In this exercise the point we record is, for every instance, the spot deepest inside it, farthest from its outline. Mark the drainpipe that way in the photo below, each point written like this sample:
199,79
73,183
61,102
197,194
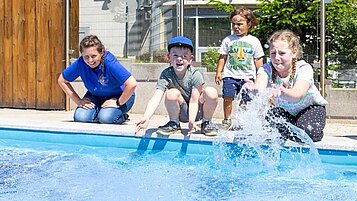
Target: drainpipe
181,17
67,47
322,48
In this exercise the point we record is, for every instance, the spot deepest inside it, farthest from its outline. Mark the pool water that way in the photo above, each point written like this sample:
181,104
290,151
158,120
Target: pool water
61,166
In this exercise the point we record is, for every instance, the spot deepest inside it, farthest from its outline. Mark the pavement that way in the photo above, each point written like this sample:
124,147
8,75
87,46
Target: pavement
340,134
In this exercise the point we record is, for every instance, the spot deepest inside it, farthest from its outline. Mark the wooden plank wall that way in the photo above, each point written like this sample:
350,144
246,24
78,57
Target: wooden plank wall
32,34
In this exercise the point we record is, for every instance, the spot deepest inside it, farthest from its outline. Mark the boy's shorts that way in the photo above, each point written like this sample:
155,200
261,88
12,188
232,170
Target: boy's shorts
184,112
231,88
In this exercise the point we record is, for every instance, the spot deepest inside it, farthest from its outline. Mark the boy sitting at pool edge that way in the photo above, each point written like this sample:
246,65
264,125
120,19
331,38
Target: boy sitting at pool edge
185,98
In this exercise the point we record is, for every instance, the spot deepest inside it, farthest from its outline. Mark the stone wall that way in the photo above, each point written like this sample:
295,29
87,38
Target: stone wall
342,102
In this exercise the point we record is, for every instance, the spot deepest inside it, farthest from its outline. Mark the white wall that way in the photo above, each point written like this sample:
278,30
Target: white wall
94,20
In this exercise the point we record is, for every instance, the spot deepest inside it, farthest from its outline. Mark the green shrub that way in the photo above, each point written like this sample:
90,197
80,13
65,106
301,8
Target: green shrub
210,59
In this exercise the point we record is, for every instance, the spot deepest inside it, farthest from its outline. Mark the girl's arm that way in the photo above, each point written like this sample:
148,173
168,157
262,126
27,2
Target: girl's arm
296,93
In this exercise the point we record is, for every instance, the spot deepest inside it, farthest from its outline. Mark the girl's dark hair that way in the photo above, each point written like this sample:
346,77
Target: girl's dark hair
93,41
247,14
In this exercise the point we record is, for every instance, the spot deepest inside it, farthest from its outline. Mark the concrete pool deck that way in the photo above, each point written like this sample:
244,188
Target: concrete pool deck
340,134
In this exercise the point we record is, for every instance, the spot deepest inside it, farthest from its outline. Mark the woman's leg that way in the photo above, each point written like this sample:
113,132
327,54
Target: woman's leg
116,115
88,115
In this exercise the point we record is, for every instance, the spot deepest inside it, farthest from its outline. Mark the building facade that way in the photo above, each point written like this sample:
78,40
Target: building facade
143,27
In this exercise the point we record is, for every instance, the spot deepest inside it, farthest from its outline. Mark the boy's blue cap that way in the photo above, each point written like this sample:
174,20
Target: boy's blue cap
180,41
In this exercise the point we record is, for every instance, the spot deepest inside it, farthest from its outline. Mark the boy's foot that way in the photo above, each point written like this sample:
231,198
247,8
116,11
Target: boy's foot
169,128
209,128
235,127
226,124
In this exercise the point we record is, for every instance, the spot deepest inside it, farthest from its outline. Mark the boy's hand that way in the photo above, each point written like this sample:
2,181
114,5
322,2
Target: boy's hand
218,78
142,124
192,127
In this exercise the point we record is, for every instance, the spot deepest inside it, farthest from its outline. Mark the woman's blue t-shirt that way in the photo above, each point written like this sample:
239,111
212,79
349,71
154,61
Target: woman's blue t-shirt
114,76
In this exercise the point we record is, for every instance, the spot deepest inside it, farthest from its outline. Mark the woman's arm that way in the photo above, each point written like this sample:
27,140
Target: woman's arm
68,89
130,85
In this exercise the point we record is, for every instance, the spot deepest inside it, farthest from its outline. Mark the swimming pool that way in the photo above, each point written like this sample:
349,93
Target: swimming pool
38,165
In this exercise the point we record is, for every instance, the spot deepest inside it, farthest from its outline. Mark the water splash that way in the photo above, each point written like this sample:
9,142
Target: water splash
259,148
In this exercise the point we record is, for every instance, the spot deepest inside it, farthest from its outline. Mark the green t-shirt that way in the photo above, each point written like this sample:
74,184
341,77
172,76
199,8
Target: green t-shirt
168,80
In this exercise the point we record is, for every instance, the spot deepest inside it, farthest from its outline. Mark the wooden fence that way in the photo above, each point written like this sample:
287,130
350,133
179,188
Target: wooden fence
32,52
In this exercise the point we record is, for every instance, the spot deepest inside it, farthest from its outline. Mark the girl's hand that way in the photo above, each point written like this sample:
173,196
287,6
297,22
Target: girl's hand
86,103
249,84
280,90
110,103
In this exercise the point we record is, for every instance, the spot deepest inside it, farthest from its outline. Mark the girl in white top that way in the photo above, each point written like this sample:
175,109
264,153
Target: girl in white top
296,98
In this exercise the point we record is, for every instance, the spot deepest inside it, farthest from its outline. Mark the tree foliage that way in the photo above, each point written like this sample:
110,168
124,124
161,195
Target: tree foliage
341,28
299,16
303,18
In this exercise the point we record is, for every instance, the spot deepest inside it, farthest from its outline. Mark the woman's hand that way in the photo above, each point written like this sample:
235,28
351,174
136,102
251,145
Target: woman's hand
86,103
110,103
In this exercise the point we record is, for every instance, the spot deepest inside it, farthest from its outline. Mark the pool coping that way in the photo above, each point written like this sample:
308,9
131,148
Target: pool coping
339,134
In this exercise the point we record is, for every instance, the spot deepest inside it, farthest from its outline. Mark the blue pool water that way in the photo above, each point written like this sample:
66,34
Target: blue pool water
60,166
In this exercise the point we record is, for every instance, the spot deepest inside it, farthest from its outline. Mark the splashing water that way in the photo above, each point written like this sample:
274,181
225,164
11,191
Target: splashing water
261,147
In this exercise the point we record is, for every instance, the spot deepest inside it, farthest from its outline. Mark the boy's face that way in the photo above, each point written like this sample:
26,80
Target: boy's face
240,26
180,58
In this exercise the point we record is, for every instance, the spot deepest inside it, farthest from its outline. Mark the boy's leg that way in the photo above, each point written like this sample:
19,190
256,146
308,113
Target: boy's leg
173,100
227,107
209,101
229,91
